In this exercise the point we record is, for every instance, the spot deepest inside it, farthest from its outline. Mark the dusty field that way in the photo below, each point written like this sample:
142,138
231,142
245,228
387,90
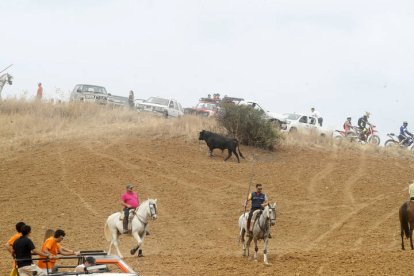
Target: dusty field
337,209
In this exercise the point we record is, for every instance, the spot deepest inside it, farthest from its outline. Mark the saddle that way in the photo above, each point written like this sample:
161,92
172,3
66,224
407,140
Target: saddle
256,214
131,215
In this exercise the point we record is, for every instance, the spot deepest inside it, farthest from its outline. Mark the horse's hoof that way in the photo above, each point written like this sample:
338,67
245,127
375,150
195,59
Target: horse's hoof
141,255
132,251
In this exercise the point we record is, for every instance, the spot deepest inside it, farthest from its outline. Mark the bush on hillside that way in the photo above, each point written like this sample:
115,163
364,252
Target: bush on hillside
249,126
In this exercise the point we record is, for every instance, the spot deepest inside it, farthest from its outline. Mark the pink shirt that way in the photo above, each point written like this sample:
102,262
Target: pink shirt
130,199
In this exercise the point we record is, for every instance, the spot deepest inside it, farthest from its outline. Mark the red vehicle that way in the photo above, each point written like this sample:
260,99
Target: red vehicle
206,107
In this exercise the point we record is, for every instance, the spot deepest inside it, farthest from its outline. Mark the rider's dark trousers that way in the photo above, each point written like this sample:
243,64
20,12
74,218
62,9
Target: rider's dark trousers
250,217
126,215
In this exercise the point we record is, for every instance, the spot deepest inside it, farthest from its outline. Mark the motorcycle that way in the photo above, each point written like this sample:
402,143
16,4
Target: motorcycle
355,135
395,142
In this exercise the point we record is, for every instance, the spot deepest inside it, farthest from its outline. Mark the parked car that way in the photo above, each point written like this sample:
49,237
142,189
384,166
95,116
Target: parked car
205,107
276,118
161,106
117,101
304,123
89,93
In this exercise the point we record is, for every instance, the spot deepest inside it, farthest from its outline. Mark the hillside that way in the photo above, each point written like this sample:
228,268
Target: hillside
337,207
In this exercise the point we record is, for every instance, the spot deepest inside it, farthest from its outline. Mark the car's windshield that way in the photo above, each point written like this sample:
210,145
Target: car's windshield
159,101
207,106
292,116
93,89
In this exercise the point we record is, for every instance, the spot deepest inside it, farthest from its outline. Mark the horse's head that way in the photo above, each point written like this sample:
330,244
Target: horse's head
272,213
9,79
153,208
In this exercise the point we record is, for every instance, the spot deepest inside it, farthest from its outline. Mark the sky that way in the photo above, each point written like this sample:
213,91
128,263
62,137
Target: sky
342,57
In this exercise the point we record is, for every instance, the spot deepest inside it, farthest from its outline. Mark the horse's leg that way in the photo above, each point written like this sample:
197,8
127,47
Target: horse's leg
243,241
139,242
115,242
265,250
402,238
411,238
248,241
255,249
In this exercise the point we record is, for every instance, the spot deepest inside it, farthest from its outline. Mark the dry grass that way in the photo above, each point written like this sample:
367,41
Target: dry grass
24,124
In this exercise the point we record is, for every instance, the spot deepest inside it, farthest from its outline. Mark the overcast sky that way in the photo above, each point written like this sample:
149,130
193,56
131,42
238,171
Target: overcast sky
343,57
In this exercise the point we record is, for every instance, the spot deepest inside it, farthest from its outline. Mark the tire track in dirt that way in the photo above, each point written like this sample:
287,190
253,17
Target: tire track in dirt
314,181
384,218
348,185
338,225
64,180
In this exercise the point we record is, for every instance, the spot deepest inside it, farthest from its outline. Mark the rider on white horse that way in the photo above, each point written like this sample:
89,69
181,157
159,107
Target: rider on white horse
129,200
259,201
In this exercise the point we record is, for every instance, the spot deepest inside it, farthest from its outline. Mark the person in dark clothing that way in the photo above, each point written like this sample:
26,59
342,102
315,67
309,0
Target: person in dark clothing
259,201
362,125
23,248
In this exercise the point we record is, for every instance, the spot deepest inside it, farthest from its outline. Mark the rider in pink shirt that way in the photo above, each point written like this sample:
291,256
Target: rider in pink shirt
129,200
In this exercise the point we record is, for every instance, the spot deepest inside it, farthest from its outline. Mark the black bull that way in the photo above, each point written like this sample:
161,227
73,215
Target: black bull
215,141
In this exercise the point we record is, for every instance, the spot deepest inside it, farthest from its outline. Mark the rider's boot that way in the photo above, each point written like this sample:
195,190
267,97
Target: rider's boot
125,224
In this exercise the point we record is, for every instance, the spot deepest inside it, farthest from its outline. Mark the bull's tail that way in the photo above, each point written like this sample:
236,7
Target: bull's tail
238,147
404,220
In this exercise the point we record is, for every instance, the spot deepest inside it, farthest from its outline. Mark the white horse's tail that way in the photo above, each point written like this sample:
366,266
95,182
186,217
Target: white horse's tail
107,231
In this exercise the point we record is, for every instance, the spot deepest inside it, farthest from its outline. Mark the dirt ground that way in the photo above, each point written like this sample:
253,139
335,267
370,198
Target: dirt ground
337,210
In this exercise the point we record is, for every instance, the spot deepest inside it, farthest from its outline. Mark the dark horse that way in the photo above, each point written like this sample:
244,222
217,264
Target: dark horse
407,222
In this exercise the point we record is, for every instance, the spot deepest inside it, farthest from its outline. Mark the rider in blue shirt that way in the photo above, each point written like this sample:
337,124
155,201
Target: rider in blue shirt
259,201
405,136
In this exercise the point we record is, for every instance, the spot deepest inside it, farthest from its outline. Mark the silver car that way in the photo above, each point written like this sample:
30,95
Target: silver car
161,106
89,93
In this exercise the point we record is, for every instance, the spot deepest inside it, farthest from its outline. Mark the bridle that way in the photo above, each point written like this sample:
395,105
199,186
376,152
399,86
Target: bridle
153,213
269,218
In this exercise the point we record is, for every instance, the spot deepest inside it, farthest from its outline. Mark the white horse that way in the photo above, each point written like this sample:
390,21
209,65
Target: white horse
261,230
114,225
5,78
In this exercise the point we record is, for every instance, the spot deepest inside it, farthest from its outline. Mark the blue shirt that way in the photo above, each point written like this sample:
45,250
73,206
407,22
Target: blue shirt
404,131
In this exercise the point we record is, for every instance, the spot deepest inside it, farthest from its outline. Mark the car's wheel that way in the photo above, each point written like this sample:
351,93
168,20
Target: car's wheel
293,130
166,113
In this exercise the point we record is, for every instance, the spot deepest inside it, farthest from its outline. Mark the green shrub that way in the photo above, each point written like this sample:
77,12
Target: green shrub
249,126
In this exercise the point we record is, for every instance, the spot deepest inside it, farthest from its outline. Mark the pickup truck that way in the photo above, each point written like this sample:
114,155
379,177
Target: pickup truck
278,119
303,123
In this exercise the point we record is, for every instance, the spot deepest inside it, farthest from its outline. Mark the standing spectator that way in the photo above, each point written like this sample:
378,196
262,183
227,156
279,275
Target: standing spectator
52,246
131,99
39,94
317,115
49,233
10,242
23,248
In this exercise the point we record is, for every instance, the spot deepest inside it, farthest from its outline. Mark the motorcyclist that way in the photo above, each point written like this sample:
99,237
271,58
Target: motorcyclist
405,136
362,125
348,128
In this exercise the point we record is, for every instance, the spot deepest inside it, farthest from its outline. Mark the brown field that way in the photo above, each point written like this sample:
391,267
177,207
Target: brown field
66,166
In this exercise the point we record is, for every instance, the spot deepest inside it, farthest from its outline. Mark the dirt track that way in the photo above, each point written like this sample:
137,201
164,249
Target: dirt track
337,211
